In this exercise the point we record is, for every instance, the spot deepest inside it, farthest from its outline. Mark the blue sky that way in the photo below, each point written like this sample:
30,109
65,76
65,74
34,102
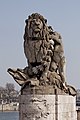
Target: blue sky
63,16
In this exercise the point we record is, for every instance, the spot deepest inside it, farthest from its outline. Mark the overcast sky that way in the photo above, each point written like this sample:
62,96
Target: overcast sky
62,15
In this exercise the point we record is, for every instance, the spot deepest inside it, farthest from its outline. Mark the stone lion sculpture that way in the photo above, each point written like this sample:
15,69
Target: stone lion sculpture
44,51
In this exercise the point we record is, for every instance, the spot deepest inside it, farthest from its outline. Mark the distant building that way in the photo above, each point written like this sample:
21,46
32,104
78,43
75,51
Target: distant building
14,106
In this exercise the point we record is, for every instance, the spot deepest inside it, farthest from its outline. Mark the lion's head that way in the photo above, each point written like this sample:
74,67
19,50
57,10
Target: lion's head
35,37
35,27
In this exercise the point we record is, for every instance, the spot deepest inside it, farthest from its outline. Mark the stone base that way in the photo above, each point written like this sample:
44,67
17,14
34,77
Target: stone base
47,107
42,90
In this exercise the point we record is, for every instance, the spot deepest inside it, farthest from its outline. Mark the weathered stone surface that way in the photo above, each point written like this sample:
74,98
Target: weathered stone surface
37,107
67,107
47,107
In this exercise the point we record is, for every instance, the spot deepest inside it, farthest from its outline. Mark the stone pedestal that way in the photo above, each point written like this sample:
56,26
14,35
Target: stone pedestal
47,107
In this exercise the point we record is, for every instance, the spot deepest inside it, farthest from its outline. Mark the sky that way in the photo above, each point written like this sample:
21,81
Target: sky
62,15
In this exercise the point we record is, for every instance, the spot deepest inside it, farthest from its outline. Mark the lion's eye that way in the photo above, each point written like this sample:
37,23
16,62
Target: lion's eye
33,21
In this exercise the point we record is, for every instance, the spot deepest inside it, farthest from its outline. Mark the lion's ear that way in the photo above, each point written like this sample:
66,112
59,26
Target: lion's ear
45,20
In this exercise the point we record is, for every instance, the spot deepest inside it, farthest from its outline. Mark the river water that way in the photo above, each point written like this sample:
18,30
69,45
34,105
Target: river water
9,115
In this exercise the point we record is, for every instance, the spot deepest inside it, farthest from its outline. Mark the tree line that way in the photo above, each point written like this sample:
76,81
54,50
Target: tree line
8,93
